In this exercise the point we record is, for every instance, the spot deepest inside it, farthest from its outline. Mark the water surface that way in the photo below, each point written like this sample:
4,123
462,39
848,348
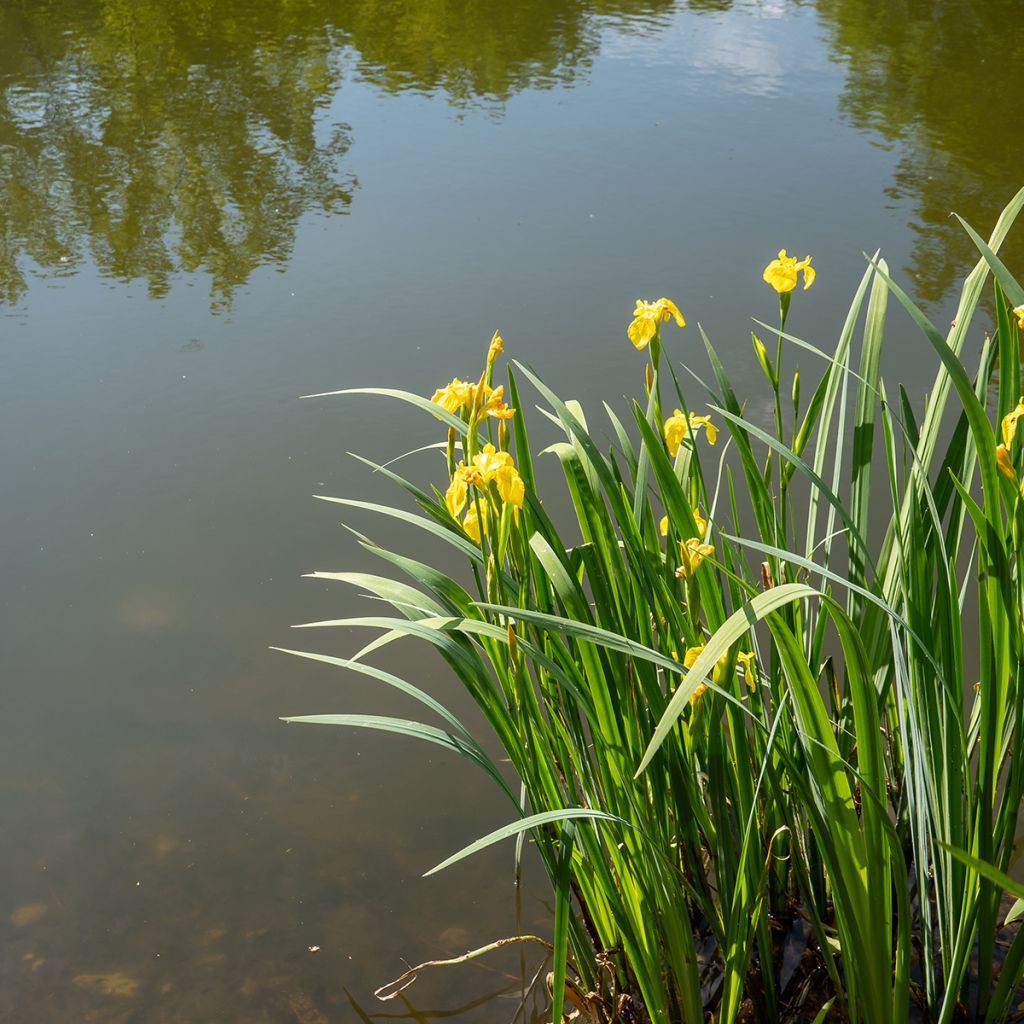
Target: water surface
208,210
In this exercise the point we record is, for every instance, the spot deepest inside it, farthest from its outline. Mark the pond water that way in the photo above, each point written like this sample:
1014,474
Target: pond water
210,209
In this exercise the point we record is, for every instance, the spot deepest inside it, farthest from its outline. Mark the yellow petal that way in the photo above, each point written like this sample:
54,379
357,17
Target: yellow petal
448,397
663,526
488,461
471,524
669,310
517,494
1018,312
640,332
455,497
809,272
495,405
510,485
702,523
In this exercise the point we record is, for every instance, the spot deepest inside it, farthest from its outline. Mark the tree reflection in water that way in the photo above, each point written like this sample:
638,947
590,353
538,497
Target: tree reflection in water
159,136
162,135
941,79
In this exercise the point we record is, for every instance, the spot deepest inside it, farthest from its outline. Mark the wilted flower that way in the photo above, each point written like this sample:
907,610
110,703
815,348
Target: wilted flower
1009,424
646,318
781,272
677,426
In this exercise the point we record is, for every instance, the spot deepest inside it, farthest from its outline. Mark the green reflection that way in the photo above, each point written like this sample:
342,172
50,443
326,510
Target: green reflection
942,79
486,49
162,136
159,136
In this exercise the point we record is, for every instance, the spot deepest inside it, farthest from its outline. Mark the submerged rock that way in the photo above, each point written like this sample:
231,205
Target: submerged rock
107,984
28,914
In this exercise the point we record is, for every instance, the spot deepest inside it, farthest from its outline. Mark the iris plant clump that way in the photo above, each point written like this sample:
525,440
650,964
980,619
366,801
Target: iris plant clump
735,693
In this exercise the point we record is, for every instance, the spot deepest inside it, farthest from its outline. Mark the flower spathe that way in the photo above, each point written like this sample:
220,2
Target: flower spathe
677,426
781,273
646,318
496,347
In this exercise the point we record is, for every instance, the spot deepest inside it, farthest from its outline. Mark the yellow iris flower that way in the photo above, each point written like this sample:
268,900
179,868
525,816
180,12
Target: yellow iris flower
494,404
691,553
677,426
455,395
487,401
1018,312
781,273
488,465
646,318
744,658
488,461
692,653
